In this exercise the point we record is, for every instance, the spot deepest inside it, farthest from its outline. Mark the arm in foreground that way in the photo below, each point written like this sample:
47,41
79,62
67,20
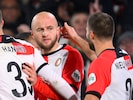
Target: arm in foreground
42,89
68,94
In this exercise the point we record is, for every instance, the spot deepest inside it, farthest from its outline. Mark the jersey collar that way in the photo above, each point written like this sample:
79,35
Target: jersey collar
6,39
55,51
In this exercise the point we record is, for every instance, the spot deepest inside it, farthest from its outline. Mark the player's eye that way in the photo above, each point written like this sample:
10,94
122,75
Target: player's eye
40,30
50,28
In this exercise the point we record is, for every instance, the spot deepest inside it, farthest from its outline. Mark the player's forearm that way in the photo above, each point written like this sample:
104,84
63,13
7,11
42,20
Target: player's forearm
57,82
45,90
84,46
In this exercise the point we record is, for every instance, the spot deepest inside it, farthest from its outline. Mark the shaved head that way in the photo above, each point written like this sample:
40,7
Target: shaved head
43,16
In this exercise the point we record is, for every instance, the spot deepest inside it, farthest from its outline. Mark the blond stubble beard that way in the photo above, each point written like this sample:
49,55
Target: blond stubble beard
49,47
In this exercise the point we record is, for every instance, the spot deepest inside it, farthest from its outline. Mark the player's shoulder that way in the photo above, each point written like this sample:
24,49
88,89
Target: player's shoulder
23,42
73,52
101,61
105,59
70,48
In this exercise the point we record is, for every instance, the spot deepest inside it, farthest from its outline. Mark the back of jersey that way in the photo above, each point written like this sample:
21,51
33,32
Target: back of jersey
121,85
13,82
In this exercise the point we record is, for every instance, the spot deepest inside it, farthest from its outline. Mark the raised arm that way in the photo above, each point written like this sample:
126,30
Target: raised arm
69,33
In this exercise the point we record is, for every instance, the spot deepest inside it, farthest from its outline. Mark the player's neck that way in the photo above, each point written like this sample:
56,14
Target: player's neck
103,46
54,48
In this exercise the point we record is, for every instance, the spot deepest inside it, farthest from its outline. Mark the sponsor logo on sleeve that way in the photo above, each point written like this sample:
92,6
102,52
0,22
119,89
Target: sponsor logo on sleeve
76,76
92,78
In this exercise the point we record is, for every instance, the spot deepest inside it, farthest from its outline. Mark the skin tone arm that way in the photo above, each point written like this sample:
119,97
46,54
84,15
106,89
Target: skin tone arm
70,33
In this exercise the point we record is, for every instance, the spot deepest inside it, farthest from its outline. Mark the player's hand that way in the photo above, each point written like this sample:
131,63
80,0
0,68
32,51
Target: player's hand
69,32
30,71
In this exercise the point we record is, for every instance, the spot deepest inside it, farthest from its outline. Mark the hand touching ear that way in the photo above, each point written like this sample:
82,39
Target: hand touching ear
69,32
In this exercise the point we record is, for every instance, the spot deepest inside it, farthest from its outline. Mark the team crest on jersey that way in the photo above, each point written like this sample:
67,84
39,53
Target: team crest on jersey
92,78
58,61
76,76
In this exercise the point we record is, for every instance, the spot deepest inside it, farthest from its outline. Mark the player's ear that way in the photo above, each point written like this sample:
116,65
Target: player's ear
92,35
2,23
31,32
58,32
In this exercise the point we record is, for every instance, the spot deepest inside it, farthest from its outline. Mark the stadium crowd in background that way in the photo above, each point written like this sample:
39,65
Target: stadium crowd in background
16,12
